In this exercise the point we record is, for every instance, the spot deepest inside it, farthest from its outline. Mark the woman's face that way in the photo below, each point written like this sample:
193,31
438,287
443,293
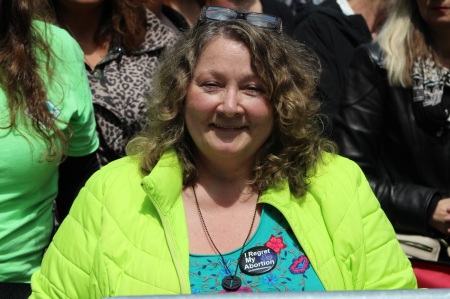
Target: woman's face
434,12
228,113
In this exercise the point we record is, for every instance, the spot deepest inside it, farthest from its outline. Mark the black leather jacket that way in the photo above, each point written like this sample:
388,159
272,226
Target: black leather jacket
408,169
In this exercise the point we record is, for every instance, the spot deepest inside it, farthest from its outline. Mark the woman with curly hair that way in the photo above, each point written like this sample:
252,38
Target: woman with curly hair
395,123
231,186
47,137
122,41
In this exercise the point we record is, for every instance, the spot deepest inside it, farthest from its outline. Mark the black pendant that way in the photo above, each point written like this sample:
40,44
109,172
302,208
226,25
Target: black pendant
231,283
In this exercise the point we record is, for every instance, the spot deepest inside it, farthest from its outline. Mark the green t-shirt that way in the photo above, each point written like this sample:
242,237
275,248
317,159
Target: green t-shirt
28,183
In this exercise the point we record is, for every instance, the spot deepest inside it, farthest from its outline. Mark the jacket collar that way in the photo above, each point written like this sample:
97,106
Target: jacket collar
165,182
166,195
168,169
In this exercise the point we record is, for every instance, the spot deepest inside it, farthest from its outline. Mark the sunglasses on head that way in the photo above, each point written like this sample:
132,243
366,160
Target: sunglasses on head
217,13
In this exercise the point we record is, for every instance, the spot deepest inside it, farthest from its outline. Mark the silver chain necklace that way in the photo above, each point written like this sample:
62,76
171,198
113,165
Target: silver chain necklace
231,282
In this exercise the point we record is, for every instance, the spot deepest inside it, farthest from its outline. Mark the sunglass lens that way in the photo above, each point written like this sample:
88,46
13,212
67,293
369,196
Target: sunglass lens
261,20
220,14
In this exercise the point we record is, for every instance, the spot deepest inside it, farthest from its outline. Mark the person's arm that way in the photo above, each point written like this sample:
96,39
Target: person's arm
73,174
359,130
440,216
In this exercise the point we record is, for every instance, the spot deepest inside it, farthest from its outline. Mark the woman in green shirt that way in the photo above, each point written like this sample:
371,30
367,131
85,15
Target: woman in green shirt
47,137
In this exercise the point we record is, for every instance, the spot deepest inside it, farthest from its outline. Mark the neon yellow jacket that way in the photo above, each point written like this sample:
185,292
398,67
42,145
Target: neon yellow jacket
126,234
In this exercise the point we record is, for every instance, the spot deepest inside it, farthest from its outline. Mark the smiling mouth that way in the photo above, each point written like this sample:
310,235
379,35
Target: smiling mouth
229,128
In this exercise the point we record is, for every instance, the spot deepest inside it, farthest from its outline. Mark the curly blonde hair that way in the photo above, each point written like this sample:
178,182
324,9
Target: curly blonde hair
290,73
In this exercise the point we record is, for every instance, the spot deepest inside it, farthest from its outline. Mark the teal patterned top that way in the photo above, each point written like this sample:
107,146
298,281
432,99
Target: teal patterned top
292,273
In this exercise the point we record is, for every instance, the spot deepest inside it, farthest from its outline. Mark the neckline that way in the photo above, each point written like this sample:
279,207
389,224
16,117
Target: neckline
238,249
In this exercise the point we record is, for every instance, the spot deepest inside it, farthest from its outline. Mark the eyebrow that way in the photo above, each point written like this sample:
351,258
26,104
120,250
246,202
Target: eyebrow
214,72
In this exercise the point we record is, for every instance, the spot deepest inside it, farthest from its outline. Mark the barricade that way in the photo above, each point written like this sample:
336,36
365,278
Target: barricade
392,294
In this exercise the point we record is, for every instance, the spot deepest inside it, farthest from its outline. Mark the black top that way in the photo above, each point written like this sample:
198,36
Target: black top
175,17
333,36
281,10
73,174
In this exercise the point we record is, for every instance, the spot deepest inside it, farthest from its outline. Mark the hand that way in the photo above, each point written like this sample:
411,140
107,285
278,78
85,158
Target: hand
440,219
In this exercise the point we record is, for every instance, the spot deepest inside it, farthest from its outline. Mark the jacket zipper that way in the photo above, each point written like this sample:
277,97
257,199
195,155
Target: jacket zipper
173,249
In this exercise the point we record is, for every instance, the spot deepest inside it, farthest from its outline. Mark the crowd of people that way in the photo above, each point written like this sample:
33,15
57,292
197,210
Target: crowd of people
154,147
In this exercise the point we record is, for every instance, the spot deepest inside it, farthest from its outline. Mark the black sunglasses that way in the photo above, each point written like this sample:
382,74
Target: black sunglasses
217,13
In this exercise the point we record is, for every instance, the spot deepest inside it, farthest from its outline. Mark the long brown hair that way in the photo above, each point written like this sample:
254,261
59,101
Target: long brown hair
123,22
20,72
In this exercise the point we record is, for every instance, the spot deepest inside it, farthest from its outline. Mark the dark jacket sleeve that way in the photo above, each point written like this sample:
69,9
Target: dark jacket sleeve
73,174
360,130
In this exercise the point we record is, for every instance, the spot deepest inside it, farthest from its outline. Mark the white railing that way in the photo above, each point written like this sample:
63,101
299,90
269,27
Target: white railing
395,294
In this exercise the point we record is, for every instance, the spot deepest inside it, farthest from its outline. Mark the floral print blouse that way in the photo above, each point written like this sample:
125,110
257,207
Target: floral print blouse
292,272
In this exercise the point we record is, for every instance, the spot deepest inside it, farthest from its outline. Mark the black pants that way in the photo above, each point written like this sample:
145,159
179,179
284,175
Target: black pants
9,290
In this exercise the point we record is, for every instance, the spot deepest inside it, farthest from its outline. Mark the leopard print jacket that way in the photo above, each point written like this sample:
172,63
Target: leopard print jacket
119,84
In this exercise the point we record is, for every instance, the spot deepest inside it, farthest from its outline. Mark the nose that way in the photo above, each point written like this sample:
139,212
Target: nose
230,103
